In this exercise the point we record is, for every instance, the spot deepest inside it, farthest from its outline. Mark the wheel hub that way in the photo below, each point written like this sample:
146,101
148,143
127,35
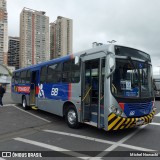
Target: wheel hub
71,117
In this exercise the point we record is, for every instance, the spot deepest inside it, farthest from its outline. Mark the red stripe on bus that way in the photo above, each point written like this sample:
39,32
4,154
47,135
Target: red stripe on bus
69,91
72,56
37,89
33,38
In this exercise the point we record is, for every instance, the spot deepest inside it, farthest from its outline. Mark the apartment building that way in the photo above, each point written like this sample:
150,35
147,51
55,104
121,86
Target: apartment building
13,52
3,32
61,37
34,37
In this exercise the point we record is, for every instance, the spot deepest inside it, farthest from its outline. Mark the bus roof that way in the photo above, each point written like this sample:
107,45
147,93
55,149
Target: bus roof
104,47
67,57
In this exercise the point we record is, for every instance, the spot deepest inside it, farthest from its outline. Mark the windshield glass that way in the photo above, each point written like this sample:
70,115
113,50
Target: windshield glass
132,79
125,51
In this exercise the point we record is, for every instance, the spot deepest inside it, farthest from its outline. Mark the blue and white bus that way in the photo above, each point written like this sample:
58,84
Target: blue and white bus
110,87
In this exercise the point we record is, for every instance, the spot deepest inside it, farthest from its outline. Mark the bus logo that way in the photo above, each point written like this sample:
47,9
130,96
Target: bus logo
132,113
41,91
54,92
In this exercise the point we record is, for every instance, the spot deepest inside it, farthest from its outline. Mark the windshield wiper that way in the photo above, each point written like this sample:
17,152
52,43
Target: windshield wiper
129,58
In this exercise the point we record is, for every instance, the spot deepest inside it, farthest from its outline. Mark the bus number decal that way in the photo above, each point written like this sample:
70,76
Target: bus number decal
54,91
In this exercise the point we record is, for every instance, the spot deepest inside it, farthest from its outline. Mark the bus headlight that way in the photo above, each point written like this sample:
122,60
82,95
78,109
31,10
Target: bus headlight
117,111
113,109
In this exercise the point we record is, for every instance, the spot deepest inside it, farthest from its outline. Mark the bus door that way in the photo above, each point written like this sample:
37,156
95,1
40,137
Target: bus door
93,91
34,82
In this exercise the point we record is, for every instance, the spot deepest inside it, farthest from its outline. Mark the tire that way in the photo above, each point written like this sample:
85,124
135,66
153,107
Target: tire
71,117
24,103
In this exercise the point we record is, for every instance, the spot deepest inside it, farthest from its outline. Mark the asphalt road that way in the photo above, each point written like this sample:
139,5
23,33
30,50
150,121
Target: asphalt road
43,133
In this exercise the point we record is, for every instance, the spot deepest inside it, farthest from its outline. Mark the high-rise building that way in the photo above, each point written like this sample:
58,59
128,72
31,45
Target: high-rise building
61,37
34,37
3,32
13,52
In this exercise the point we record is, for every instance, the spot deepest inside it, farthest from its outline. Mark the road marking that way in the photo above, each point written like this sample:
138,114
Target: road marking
124,139
158,115
51,147
6,105
158,124
32,114
120,143
136,148
99,140
80,136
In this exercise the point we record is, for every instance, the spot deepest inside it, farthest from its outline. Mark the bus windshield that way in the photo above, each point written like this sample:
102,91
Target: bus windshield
132,79
125,51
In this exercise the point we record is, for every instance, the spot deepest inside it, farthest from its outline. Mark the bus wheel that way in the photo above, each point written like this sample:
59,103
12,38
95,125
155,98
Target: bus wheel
24,103
71,117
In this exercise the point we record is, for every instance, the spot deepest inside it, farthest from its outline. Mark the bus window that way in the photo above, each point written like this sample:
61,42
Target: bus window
54,73
43,74
23,77
17,78
28,76
13,77
75,72
71,72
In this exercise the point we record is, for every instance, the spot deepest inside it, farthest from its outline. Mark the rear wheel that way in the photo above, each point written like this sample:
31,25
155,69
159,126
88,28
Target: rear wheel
24,103
72,117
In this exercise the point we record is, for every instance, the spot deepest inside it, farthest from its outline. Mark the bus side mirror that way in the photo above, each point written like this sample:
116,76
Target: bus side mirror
76,61
111,62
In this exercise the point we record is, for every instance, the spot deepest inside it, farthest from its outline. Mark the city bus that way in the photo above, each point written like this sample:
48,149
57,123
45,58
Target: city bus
109,87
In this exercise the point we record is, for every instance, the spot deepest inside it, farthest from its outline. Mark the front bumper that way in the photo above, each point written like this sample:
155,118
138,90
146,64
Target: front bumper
115,122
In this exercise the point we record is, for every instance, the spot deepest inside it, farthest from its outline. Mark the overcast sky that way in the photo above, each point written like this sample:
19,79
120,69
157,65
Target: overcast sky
135,23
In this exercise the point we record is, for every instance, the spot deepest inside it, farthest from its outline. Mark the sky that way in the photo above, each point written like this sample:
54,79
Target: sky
133,23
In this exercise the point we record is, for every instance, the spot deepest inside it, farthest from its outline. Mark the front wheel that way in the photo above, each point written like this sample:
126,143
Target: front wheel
72,118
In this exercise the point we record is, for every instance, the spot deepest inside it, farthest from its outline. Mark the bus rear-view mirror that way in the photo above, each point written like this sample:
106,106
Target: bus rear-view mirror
76,61
111,61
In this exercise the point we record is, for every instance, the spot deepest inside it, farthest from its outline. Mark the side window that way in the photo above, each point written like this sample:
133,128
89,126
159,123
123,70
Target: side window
66,75
28,76
71,72
75,72
43,74
17,77
23,77
54,73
